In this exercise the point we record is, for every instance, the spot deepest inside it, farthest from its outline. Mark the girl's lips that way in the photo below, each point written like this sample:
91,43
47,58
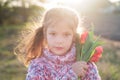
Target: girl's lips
59,48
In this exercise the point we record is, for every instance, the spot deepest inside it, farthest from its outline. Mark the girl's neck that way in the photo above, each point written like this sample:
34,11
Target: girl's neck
69,57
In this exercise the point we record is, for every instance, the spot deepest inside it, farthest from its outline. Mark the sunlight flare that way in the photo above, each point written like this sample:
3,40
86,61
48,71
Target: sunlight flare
80,30
70,3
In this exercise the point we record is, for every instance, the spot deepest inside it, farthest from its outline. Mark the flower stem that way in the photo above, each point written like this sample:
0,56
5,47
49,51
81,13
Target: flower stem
78,78
81,51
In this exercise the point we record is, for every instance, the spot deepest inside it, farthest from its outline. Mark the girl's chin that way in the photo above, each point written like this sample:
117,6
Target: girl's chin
58,53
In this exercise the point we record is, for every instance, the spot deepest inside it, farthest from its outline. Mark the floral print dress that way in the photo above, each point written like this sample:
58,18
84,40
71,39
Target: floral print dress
52,67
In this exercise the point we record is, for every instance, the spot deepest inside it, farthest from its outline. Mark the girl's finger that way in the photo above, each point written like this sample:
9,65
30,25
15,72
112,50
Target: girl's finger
82,73
85,67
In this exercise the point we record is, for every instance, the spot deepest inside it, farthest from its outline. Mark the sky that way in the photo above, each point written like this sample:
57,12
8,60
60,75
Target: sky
114,0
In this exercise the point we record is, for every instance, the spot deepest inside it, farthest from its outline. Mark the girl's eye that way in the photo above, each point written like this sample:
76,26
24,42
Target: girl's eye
52,33
67,34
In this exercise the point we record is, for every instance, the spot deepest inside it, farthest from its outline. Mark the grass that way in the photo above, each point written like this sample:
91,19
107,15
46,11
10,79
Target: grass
109,65
12,69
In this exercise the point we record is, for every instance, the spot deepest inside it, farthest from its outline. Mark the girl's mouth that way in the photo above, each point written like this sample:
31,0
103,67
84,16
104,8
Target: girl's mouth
59,48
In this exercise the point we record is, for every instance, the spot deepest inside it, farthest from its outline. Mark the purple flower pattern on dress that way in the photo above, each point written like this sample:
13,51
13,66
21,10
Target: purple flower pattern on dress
52,67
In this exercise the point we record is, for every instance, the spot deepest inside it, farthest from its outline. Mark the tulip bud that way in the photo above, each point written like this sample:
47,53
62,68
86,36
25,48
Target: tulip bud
83,37
97,55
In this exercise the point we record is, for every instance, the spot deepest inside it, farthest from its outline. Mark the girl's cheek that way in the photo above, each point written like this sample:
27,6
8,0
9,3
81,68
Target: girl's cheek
69,38
51,37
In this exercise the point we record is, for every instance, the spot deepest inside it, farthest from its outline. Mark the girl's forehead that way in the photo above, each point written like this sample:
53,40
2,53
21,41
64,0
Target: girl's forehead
60,27
56,15
60,24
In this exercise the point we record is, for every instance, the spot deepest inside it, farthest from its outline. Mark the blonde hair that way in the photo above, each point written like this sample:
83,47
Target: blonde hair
33,48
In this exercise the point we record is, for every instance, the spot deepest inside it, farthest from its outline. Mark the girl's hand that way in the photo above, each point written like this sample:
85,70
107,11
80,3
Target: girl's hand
80,68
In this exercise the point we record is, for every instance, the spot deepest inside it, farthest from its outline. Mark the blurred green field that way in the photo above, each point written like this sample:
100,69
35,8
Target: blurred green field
12,69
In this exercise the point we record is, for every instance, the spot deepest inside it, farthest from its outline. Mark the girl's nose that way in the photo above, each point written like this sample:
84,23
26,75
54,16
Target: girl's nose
59,39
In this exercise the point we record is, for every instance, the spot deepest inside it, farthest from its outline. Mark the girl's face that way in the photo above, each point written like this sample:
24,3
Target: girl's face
59,38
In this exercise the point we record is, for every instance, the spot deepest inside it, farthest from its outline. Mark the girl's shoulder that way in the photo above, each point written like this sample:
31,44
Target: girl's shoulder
36,64
37,61
36,68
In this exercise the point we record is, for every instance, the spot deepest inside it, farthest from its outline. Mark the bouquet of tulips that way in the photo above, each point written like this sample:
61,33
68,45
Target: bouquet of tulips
88,48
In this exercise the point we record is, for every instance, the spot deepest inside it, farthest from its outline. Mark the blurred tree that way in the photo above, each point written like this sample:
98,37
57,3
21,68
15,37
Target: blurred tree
4,10
98,4
18,14
102,3
43,1
115,6
23,3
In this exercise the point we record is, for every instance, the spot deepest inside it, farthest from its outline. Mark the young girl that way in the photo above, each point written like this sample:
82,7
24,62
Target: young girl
50,53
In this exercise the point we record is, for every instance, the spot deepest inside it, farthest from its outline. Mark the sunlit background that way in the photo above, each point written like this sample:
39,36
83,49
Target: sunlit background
17,15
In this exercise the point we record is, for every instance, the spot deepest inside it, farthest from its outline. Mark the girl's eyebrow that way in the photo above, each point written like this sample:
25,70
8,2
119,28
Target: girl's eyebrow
67,33
52,31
